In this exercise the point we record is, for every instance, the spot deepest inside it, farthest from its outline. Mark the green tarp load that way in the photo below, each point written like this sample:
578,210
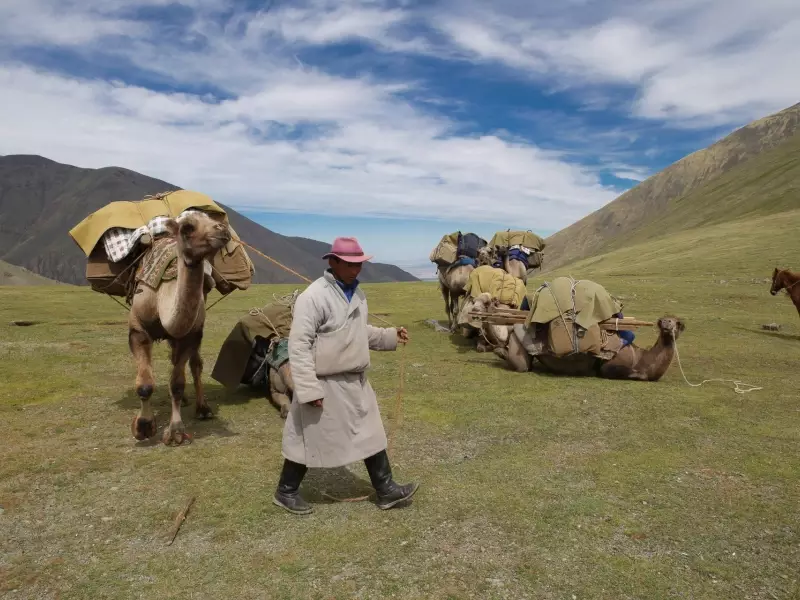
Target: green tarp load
527,242
457,248
501,286
444,254
232,267
271,323
570,312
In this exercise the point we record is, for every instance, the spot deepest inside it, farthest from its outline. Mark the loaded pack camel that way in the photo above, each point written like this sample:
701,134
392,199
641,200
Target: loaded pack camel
452,281
515,267
784,279
175,312
632,362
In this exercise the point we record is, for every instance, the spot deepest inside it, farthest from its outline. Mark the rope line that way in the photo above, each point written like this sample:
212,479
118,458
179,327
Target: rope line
739,387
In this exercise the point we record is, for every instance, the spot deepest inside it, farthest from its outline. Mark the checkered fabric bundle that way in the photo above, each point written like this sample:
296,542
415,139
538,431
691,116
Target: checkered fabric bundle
119,241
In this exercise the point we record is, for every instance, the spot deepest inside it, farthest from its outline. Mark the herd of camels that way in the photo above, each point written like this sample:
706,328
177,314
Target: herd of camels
176,312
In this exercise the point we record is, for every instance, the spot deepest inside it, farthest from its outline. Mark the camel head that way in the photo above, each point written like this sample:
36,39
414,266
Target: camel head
485,256
777,282
484,301
198,236
670,327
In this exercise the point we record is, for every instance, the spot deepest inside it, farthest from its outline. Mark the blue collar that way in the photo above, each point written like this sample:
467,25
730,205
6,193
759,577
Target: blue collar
348,290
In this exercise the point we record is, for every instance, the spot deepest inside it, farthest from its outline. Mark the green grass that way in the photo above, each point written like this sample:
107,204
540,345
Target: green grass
532,486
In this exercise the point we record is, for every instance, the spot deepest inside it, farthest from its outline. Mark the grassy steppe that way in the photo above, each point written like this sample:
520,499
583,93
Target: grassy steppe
533,486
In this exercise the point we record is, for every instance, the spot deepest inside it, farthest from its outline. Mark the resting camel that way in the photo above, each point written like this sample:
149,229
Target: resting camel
632,362
786,279
493,336
174,312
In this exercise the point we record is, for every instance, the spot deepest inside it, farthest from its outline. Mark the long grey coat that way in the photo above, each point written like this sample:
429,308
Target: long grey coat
329,353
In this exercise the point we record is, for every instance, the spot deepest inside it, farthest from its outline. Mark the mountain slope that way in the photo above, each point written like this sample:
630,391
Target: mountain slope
747,248
14,275
40,200
650,202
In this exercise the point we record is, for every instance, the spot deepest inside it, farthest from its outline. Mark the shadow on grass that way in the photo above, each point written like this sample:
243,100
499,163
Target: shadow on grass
215,395
773,334
330,486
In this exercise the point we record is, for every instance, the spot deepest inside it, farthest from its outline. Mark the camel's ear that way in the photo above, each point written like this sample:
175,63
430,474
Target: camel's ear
172,227
681,326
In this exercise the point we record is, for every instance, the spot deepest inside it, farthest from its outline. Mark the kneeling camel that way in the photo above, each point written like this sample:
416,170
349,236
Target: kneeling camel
632,362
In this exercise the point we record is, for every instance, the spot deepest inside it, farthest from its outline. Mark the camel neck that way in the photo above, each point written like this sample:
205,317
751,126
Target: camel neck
187,298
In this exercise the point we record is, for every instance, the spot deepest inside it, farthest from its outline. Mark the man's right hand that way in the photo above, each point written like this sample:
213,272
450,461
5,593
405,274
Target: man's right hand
316,403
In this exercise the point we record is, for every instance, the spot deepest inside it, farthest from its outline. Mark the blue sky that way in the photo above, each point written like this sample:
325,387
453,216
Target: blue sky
393,120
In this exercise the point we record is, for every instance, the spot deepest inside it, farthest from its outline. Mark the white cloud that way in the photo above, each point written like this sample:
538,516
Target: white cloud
693,62
379,156
276,134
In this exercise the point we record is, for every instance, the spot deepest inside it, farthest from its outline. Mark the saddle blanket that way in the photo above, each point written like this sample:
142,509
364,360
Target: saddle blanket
160,263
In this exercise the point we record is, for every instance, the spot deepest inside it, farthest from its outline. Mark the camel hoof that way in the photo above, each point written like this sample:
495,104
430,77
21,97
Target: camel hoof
284,412
143,429
204,412
174,434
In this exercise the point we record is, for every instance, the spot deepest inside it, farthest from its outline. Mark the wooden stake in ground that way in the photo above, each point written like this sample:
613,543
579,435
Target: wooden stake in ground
179,521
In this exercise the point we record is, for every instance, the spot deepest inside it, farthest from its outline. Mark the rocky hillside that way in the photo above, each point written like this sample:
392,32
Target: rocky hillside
40,200
760,166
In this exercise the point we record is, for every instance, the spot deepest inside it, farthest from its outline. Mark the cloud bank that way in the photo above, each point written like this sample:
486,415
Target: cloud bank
302,106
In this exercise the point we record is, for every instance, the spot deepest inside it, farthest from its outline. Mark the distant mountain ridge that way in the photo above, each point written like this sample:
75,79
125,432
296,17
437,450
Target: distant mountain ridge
676,197
41,200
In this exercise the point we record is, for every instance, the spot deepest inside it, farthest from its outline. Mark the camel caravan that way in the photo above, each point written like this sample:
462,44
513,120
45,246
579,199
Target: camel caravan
570,327
162,256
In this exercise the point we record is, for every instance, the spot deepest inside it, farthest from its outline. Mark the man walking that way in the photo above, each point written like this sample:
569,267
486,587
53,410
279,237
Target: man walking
334,418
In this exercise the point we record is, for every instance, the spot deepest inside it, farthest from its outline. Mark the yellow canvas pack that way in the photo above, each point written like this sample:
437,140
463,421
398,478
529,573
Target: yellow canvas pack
136,213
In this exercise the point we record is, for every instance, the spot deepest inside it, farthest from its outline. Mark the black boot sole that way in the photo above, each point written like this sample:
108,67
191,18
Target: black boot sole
294,511
393,503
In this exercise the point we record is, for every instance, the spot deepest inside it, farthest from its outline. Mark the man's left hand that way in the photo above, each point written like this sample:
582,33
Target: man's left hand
402,335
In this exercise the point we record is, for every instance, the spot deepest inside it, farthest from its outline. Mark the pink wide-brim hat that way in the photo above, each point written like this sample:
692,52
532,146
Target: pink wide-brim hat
347,249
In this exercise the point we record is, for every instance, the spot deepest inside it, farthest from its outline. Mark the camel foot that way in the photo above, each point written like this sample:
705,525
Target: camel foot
481,347
143,429
284,411
203,411
174,434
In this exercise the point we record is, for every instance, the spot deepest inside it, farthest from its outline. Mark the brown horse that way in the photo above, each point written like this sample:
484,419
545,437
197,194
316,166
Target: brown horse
788,280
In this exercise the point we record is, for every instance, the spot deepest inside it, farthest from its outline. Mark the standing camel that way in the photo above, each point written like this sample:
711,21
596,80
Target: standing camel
788,280
453,280
515,267
632,362
174,311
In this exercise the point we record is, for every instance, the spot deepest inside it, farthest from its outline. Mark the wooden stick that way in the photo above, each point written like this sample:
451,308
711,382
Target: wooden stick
519,317
179,520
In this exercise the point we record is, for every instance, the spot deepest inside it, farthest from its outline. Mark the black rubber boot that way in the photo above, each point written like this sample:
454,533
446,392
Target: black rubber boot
380,473
288,493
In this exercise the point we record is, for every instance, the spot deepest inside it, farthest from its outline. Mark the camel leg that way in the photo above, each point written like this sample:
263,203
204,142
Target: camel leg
280,384
446,296
143,425
202,410
181,351
516,355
